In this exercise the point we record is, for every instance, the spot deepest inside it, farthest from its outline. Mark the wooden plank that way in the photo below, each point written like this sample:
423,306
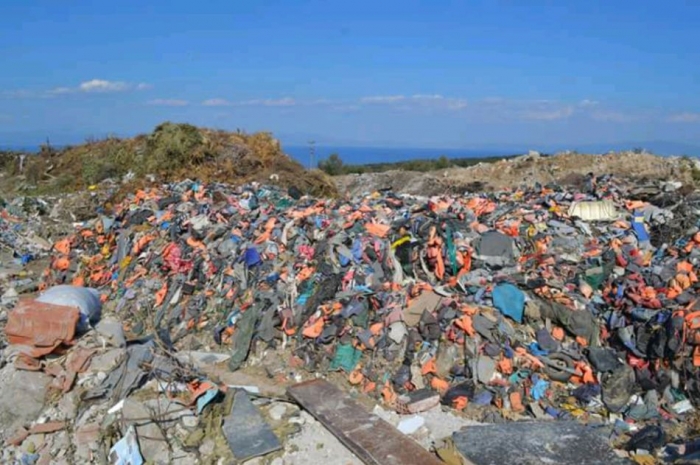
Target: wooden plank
370,438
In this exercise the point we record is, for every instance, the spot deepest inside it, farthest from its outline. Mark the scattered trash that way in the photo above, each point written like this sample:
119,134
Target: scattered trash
126,450
543,303
601,210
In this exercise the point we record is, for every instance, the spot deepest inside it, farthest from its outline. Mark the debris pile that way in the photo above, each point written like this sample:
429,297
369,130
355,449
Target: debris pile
171,152
538,304
566,169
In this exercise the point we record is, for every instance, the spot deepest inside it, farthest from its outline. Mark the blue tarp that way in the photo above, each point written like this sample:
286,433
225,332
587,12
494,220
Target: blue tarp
509,300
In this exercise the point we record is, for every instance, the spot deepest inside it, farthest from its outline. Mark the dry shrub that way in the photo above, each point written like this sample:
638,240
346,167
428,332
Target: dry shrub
174,152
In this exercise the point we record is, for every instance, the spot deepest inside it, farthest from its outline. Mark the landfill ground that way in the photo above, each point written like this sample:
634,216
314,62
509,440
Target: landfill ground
535,310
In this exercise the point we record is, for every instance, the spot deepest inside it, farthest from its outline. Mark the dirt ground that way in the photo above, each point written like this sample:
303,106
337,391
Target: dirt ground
565,168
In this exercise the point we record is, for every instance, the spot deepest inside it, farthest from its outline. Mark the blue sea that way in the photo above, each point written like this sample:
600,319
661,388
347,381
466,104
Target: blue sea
364,155
361,155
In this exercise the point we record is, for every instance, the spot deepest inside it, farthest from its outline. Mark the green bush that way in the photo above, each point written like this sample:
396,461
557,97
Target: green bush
333,165
173,144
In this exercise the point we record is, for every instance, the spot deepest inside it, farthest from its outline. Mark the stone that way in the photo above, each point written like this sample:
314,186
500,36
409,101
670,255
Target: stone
9,297
201,359
397,331
33,443
411,424
190,421
238,378
562,442
68,405
207,447
18,437
153,444
22,399
61,442
485,369
48,427
111,332
168,410
442,424
180,457
87,435
107,361
277,411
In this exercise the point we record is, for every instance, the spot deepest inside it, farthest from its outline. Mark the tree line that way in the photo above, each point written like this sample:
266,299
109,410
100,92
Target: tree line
334,165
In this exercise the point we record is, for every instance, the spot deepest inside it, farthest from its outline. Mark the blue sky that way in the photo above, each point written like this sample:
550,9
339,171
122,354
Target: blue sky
439,73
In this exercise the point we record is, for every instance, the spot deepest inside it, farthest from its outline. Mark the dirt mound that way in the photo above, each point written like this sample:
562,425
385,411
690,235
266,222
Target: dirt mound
171,152
564,169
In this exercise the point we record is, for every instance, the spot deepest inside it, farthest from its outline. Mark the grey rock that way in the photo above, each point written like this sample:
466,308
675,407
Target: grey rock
202,359
207,447
112,332
277,411
68,406
107,361
23,397
190,421
152,441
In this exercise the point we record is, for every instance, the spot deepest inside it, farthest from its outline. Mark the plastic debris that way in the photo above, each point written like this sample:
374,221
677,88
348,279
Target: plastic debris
126,450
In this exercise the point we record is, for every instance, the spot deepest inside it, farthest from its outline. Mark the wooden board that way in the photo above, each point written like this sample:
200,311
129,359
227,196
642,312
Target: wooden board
370,438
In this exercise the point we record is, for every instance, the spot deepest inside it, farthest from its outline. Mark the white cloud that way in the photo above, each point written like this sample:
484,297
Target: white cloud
61,91
347,108
486,109
98,86
685,117
383,99
408,102
492,100
427,97
101,85
548,114
168,102
282,102
456,104
18,93
613,116
216,102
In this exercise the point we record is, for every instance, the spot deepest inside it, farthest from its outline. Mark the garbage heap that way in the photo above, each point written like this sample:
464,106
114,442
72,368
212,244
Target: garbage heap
535,302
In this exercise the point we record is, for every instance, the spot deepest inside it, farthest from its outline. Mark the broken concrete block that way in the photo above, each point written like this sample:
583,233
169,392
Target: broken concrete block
411,424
